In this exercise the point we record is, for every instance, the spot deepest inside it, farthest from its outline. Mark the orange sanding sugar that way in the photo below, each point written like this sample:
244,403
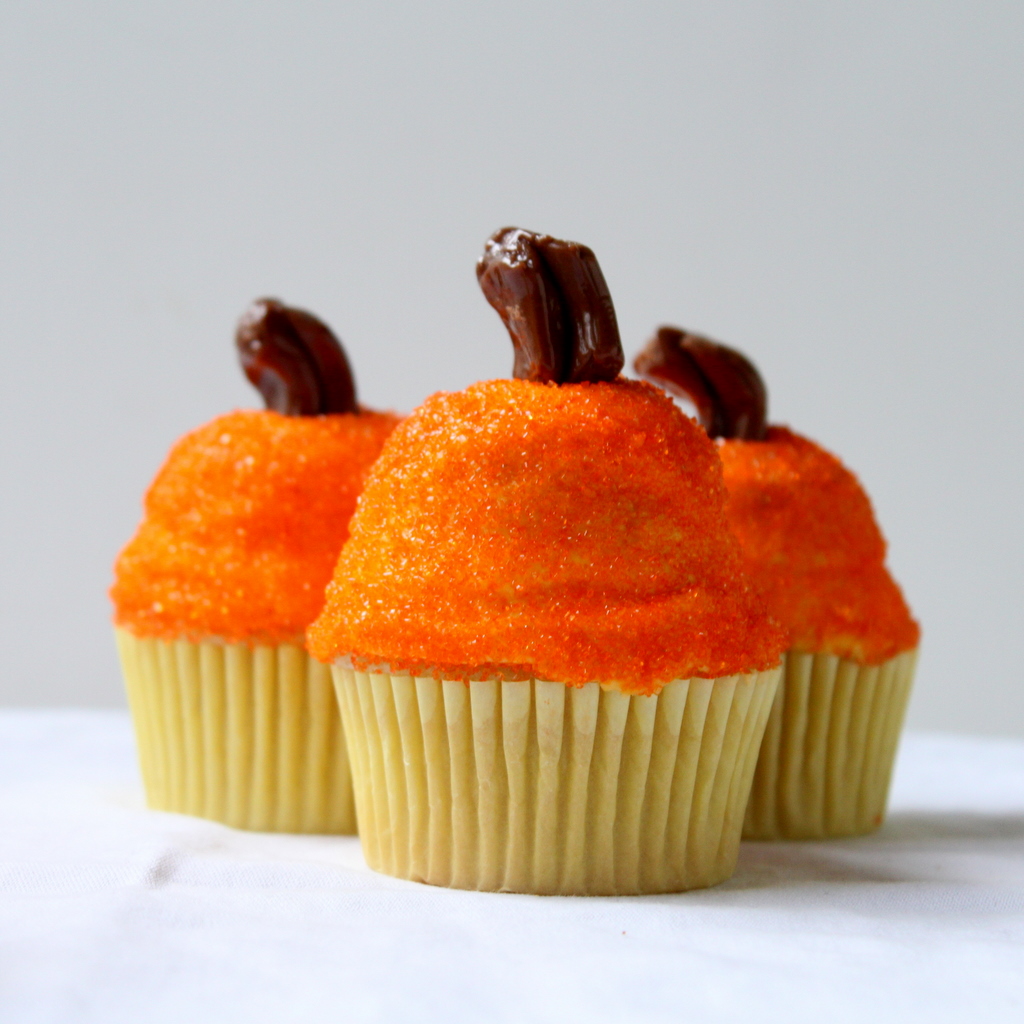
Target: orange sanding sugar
813,546
571,532
243,525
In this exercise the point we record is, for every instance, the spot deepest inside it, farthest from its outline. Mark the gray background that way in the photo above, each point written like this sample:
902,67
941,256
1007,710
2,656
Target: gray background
835,188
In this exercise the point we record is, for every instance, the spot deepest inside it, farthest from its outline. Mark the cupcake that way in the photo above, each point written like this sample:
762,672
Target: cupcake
813,548
553,674
213,594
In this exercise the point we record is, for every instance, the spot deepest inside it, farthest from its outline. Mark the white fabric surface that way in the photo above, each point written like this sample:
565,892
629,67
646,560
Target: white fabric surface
110,913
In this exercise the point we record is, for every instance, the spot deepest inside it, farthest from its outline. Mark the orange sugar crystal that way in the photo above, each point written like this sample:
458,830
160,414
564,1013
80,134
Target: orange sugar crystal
573,532
812,544
243,524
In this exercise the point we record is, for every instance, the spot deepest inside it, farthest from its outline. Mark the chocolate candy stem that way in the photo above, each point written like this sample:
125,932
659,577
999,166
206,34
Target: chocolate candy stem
294,360
595,351
722,383
553,299
516,283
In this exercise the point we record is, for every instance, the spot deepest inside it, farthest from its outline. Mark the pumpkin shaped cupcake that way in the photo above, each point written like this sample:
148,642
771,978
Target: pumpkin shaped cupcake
813,547
213,594
553,673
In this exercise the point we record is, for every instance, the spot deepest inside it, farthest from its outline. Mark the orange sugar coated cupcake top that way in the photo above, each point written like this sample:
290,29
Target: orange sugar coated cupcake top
534,529
243,524
813,546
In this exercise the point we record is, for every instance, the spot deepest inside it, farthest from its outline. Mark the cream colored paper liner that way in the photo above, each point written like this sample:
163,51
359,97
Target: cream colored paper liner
539,787
829,748
249,736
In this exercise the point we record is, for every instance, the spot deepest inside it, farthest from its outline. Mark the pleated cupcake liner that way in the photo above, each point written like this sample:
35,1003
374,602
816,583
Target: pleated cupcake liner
538,787
248,736
829,747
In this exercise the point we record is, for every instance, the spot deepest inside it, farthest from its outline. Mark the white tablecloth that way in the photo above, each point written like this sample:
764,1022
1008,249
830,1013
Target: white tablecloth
110,913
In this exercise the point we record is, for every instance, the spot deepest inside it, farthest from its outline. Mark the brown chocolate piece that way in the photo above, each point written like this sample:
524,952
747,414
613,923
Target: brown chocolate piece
294,360
555,304
516,283
722,383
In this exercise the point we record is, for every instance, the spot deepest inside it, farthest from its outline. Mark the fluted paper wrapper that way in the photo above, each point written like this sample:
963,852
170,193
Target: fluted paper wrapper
539,787
248,736
828,751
